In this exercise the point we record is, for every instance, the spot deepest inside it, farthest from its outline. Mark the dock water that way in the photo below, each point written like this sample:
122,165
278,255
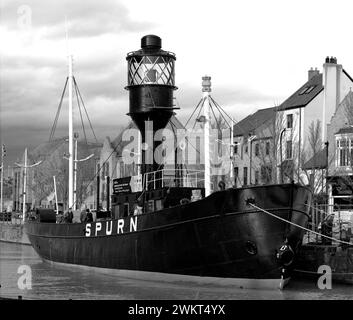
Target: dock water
338,257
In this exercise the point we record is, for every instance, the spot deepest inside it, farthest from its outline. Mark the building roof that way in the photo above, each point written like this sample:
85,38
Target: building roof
253,121
304,94
345,130
318,161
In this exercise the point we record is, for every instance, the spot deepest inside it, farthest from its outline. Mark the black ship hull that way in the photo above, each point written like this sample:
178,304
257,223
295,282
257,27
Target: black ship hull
220,236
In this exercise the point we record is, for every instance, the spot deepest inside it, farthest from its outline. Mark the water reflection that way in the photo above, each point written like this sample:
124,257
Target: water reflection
62,282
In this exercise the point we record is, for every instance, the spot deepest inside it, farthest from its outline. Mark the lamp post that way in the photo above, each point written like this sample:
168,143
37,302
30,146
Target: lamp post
56,196
3,153
280,144
251,138
25,167
326,149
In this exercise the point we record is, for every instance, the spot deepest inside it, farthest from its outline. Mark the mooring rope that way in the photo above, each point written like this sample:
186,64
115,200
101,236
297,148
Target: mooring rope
311,207
333,273
299,226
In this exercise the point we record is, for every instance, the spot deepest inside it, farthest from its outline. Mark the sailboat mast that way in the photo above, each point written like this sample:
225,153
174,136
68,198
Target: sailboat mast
71,142
206,89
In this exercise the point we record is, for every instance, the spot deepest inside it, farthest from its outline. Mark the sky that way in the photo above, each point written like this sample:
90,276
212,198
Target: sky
257,53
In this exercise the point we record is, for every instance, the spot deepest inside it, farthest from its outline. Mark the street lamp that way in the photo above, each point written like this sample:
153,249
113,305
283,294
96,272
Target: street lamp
25,167
251,138
3,153
280,144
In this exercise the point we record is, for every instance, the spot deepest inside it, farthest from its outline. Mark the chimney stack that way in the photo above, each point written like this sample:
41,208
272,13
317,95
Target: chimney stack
332,78
312,73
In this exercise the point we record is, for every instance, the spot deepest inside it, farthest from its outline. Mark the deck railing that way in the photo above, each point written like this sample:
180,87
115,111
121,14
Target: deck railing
11,218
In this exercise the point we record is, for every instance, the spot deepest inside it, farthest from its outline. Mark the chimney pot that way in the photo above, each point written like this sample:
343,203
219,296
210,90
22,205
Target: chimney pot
312,73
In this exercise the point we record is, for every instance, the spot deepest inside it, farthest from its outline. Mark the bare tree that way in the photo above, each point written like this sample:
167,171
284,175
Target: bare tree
313,159
54,164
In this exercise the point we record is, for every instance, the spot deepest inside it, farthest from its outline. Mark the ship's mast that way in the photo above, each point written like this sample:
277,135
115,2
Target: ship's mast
71,145
206,89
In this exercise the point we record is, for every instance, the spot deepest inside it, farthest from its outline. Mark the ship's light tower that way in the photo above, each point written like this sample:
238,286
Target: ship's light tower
151,83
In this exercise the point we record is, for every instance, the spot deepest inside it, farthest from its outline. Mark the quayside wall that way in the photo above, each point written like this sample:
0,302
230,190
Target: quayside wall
13,232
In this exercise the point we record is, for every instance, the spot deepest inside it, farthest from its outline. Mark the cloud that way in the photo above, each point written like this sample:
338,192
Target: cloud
34,69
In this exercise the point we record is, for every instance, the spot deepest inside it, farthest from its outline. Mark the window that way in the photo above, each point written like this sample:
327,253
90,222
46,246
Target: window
122,169
289,121
266,173
105,170
256,177
150,205
236,174
91,193
267,148
289,154
343,152
107,173
236,148
245,176
159,205
126,209
257,149
246,148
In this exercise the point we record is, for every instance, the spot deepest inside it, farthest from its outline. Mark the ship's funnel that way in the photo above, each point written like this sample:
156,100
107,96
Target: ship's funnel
151,82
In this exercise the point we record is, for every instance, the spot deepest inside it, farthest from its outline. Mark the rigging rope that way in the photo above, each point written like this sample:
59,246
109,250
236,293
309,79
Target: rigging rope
79,108
299,226
194,112
212,100
79,92
202,100
58,112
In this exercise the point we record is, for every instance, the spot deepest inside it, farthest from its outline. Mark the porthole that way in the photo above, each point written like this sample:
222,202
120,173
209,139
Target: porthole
250,247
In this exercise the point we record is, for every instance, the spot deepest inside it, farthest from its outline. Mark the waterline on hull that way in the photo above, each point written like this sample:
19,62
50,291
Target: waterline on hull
243,283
